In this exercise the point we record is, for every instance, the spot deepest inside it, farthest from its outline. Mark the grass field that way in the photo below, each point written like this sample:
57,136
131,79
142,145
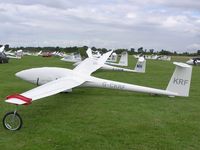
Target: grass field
92,118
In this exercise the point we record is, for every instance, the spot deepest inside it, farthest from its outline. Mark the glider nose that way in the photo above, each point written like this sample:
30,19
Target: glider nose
19,74
24,74
190,62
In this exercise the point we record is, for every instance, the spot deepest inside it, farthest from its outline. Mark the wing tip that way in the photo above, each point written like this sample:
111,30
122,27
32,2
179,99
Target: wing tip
16,98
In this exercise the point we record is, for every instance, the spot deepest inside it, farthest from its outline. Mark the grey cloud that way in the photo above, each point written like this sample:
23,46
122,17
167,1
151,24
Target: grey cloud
110,24
60,4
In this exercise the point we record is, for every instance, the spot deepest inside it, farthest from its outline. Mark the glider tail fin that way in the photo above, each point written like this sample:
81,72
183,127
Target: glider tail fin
89,52
124,59
181,79
141,65
2,49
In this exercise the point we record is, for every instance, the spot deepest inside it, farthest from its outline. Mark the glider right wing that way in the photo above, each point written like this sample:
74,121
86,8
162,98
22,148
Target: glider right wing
48,89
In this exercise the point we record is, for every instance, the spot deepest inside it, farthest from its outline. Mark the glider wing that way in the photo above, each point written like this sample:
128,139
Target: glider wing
48,89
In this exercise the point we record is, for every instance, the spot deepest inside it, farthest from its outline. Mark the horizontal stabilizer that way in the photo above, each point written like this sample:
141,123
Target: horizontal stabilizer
180,64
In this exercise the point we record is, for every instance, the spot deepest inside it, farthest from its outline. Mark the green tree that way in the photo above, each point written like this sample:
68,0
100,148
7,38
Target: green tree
165,52
119,51
175,53
82,51
57,48
6,47
132,51
140,50
151,51
198,52
94,48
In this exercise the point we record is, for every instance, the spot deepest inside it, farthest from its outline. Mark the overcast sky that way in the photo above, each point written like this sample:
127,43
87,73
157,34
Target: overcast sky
160,24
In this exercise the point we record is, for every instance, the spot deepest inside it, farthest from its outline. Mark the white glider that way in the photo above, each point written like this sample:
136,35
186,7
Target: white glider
72,58
140,66
112,58
39,53
193,61
17,55
158,57
3,57
54,80
2,49
122,62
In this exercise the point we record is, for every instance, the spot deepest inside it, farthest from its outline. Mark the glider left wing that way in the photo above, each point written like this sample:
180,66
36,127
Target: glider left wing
45,90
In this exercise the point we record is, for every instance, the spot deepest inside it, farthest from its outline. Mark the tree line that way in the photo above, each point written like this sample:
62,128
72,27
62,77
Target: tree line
82,50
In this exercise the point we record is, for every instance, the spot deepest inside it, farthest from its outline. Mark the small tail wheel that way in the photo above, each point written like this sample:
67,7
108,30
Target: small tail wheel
12,121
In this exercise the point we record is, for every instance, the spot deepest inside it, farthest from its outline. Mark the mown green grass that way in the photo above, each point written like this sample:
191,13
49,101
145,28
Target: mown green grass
93,118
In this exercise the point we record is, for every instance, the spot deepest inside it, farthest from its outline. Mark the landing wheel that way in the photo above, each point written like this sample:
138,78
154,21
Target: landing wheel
12,121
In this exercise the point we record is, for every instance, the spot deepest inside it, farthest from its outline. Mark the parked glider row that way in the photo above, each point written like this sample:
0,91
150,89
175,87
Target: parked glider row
76,57
5,55
194,61
155,57
3,58
140,66
53,80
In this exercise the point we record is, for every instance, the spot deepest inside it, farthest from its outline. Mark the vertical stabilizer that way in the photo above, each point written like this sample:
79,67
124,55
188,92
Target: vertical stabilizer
89,53
124,59
141,65
2,49
181,79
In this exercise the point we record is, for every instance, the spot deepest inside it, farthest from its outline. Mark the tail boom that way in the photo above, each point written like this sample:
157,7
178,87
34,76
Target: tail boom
179,84
108,67
102,83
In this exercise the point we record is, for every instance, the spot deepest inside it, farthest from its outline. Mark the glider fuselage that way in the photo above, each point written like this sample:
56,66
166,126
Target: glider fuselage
44,75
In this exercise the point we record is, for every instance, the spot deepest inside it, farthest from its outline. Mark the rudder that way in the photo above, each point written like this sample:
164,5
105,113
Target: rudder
141,65
124,59
181,79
